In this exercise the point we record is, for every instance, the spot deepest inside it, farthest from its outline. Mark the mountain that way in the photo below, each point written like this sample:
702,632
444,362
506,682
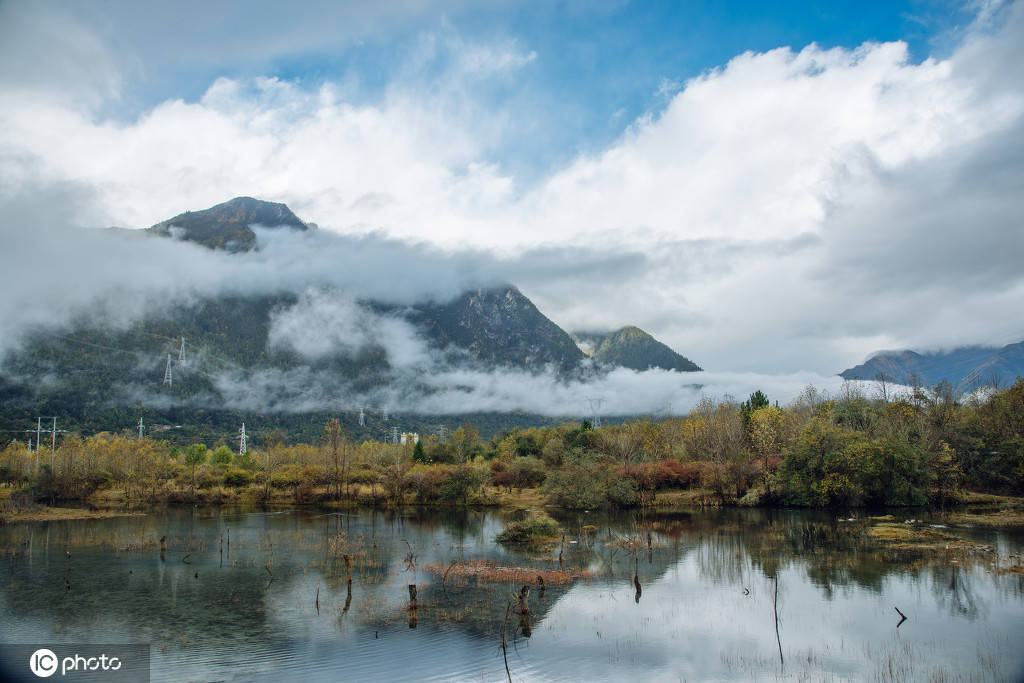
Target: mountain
226,226
966,368
274,352
631,347
498,326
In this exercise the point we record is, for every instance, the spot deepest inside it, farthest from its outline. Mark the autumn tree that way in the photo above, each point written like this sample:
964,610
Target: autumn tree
336,450
196,455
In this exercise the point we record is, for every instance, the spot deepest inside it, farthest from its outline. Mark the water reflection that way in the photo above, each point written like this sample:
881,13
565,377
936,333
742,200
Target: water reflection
734,594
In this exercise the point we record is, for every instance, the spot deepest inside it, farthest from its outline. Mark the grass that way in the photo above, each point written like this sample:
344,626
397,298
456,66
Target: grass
486,571
908,535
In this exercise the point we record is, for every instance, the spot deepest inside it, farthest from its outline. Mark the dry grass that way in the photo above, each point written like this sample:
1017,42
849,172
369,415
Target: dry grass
684,498
47,514
485,571
517,498
1009,517
899,536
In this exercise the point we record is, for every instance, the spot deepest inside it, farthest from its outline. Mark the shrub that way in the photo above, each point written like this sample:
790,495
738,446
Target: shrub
670,474
208,479
462,481
575,488
287,476
426,481
527,472
237,478
535,528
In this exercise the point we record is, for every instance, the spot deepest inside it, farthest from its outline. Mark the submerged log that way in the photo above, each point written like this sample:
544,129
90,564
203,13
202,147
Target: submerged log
413,611
524,624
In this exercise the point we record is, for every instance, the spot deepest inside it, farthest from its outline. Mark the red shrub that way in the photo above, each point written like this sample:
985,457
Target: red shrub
671,474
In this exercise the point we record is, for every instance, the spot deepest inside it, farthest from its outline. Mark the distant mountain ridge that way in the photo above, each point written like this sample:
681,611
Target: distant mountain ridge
631,347
966,368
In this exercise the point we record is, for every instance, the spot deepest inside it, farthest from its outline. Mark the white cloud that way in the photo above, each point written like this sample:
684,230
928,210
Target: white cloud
753,204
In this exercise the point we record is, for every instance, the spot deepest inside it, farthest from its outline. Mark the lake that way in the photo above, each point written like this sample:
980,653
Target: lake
323,595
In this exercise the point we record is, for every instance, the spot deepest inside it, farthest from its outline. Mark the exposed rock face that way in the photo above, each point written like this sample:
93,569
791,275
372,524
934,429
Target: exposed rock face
226,226
499,326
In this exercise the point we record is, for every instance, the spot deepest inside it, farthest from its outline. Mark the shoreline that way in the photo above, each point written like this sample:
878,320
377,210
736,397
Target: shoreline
971,510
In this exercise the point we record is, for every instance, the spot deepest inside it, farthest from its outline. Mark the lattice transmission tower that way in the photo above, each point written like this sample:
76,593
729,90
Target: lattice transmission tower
595,408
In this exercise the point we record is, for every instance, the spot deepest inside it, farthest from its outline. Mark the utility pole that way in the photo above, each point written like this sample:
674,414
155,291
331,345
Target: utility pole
181,353
39,422
241,441
53,442
168,378
362,418
394,435
140,429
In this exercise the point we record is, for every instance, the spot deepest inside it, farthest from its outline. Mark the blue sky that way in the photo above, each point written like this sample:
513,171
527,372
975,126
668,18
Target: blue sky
599,65
827,179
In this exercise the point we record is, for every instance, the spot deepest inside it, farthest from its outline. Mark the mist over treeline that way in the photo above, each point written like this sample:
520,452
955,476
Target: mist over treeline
308,321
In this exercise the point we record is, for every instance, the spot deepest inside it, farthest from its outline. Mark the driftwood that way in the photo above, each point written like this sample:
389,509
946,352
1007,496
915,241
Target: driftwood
778,640
504,640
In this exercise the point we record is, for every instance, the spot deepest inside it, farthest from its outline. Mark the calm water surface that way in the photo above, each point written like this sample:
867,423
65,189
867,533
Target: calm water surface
235,598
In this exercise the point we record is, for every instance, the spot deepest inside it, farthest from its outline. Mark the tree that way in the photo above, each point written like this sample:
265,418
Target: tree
195,454
464,441
222,456
765,429
716,434
624,443
272,457
337,449
418,454
756,401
